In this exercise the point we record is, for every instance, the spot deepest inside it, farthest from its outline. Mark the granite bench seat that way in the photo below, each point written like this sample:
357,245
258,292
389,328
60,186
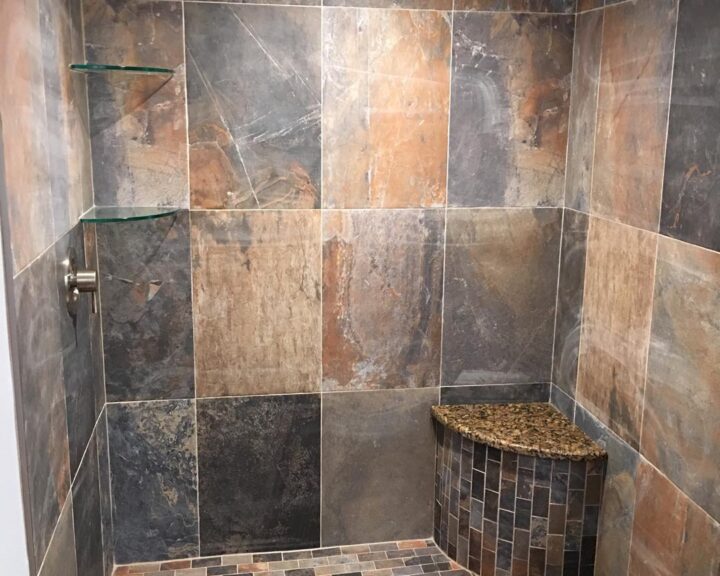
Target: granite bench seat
518,489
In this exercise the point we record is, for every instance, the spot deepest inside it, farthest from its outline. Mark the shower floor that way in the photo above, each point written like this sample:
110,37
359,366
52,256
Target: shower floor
402,558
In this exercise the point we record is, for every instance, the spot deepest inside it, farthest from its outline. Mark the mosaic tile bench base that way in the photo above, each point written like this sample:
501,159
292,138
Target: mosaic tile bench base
499,513
404,558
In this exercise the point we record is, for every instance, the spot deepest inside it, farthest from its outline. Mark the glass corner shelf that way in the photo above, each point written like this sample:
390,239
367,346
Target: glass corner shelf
102,214
112,68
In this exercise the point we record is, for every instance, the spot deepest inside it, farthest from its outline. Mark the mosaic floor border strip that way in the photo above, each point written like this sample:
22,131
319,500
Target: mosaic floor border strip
401,558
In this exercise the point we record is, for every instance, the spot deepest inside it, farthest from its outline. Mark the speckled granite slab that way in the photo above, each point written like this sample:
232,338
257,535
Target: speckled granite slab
536,429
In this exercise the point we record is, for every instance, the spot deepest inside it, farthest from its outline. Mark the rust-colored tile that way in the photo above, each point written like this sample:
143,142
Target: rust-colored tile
617,312
24,144
681,427
583,109
138,130
701,545
256,285
554,6
382,297
510,100
584,5
658,526
633,106
385,109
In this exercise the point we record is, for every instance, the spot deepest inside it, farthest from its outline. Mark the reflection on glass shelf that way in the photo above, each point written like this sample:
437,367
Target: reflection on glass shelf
112,68
100,214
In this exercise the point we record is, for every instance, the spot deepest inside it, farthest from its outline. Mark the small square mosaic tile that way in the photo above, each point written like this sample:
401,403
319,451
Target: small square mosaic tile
403,558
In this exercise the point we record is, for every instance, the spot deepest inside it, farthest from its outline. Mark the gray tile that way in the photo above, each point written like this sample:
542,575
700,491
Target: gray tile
571,286
690,204
79,365
377,465
509,109
154,469
60,559
105,497
267,448
43,417
87,515
253,105
497,393
500,289
583,109
146,308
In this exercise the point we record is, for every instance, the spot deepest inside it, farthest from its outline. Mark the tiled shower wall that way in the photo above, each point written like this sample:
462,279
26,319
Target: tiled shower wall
637,352
373,209
45,184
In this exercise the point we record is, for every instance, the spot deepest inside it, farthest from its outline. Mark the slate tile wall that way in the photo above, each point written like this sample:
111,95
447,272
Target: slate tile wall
333,287
636,340
45,182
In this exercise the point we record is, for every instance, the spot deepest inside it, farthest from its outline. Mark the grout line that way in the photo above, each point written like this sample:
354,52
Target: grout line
192,285
322,265
447,202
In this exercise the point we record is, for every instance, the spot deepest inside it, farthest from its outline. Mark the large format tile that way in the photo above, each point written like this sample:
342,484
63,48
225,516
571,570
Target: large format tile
153,462
701,544
43,417
571,286
103,452
259,473
510,99
690,203
409,4
583,109
500,288
382,299
138,132
66,104
253,105
377,468
495,394
28,195
556,6
386,90
618,500
87,515
658,526
636,67
681,429
60,559
146,308
256,279
78,352
617,311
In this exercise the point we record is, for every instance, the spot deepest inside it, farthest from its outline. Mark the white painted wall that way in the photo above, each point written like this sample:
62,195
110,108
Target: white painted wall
13,551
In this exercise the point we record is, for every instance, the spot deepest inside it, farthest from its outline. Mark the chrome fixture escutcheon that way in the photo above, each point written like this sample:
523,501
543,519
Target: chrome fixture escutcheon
77,282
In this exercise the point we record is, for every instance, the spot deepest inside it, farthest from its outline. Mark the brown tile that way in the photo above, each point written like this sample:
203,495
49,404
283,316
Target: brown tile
256,283
616,325
410,4
385,108
139,135
681,429
584,5
510,100
658,526
583,109
636,67
382,298
23,141
701,544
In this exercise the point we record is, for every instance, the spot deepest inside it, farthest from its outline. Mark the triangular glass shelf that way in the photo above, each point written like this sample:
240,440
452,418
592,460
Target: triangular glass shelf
112,68
102,214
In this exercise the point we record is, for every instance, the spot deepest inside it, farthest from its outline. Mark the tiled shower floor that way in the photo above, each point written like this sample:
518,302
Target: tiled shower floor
403,558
